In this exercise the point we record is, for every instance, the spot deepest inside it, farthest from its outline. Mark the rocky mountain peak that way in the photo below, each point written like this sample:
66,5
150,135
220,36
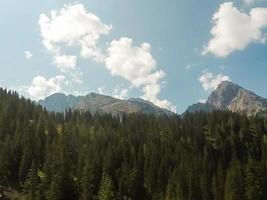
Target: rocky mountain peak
222,97
232,97
101,103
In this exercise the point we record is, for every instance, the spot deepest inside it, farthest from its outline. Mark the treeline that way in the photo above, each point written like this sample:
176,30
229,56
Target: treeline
77,156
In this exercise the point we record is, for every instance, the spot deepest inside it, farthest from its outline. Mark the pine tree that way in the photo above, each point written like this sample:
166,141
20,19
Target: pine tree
234,183
3,176
87,183
171,190
25,164
32,184
106,188
55,189
253,183
218,183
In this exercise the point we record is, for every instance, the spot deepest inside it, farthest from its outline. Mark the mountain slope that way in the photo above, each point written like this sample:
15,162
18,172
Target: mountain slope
100,103
232,97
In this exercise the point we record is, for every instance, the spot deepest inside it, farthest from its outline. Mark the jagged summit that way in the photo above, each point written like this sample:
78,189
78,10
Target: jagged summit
100,103
222,97
230,96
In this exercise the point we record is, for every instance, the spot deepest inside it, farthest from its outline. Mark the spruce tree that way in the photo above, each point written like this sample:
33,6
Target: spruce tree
3,175
55,190
106,191
87,183
234,189
32,184
253,184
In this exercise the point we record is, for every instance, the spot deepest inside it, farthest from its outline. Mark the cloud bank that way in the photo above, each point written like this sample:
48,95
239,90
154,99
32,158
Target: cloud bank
234,30
210,81
136,65
74,26
42,87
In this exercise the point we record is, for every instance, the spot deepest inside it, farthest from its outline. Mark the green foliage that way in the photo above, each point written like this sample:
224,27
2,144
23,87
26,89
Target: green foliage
106,191
32,184
253,181
87,183
234,188
4,172
62,156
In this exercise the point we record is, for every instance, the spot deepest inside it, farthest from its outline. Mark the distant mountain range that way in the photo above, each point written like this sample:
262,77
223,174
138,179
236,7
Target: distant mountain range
232,97
100,103
227,96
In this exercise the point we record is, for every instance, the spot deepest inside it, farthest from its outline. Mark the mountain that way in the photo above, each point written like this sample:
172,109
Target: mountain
58,102
232,97
93,102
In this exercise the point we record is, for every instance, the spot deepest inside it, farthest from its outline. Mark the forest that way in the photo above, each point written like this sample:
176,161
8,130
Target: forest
78,156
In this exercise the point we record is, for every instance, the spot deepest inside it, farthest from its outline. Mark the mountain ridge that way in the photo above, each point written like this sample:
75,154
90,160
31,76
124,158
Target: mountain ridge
230,96
227,96
93,102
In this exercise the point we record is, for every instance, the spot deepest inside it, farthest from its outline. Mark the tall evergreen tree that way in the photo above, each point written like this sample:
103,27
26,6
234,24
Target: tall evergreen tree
32,184
106,191
253,181
4,172
87,183
234,189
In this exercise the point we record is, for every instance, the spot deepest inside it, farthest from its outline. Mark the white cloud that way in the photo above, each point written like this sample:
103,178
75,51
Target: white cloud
133,63
120,94
64,62
234,30
188,66
73,26
28,55
100,90
202,101
210,81
42,87
251,2
136,65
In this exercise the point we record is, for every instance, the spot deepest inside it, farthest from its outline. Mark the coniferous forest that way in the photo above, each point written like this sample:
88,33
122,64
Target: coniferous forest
71,156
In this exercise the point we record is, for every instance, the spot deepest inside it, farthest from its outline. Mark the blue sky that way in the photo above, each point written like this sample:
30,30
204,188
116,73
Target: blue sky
163,51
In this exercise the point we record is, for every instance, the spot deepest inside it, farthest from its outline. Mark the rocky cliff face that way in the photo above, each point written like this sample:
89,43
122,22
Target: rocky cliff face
101,104
222,97
232,97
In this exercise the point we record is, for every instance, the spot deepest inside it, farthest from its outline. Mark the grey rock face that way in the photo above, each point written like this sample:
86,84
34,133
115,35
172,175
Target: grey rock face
222,97
232,97
101,103
200,106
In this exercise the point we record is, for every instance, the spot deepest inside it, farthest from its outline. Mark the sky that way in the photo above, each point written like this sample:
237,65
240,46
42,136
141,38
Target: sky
172,53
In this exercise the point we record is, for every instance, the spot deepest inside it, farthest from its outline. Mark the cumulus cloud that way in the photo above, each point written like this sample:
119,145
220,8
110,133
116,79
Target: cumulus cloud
249,2
28,55
73,26
210,81
64,62
136,65
234,30
120,94
202,101
42,87
100,90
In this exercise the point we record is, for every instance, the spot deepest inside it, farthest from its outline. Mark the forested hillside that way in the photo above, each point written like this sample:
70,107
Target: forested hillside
48,156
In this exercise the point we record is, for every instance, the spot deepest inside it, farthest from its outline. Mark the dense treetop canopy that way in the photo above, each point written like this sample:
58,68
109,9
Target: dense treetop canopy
74,155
